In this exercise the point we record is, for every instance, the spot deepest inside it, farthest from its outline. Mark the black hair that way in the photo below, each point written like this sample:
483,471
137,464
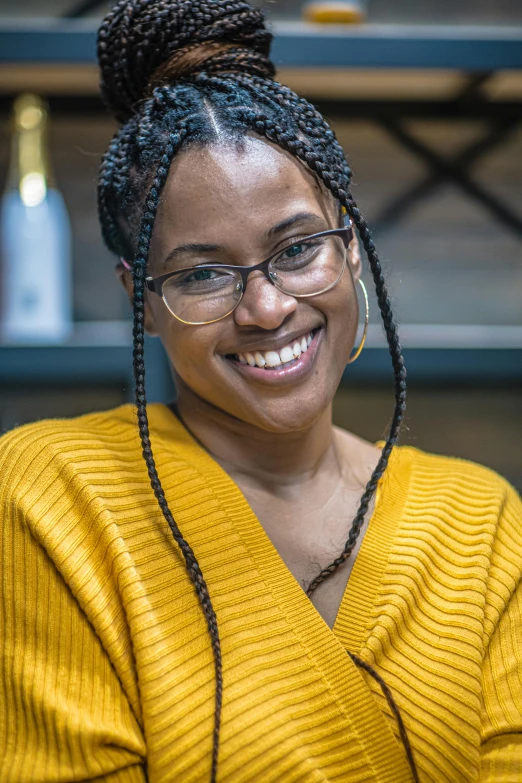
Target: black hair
172,71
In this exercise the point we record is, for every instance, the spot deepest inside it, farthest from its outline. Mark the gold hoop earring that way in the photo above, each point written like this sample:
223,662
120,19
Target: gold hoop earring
366,319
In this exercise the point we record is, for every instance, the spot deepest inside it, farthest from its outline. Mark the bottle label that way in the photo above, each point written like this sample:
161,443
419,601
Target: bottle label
36,285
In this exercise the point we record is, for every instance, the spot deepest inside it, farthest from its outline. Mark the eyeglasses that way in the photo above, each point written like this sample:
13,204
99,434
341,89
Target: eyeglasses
207,293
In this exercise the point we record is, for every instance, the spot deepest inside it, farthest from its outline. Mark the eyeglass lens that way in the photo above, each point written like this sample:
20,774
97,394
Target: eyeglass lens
207,294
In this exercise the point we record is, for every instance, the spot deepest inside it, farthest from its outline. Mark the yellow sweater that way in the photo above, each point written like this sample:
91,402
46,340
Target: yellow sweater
106,671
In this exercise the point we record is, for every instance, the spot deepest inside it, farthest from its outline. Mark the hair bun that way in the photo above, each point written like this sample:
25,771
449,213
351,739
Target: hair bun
138,37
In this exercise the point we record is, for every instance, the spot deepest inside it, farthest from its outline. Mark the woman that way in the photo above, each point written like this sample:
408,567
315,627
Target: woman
200,631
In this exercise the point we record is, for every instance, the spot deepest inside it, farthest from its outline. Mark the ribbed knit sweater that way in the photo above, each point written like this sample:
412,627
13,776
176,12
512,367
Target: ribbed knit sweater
106,671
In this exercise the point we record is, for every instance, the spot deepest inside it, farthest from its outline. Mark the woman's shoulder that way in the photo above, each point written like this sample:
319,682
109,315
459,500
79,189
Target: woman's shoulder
461,523
85,445
455,494
457,474
413,469
56,435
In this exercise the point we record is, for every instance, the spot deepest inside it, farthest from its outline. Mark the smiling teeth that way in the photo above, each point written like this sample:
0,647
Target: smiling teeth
272,359
286,354
269,359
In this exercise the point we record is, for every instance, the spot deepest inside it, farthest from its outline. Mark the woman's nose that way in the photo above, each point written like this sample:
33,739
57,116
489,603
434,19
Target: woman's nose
263,304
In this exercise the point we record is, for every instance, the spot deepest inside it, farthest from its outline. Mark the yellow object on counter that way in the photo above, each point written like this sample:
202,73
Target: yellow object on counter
333,13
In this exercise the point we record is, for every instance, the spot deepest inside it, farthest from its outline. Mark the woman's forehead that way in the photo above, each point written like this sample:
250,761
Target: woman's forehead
226,181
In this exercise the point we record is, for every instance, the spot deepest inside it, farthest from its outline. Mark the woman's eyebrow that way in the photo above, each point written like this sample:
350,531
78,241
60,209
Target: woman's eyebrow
199,247
301,217
191,247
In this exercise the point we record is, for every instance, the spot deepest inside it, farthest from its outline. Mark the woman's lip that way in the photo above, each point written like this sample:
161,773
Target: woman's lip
292,371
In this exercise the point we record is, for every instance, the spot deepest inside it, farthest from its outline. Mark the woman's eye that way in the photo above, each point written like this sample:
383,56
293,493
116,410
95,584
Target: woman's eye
300,253
294,251
201,274
202,281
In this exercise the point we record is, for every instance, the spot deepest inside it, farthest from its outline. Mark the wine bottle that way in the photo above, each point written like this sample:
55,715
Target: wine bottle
35,236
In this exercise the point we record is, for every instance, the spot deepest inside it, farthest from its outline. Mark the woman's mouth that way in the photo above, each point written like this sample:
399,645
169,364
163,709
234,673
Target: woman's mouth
272,359
285,362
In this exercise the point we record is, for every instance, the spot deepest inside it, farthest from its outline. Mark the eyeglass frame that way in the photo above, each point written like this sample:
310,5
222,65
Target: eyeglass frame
155,284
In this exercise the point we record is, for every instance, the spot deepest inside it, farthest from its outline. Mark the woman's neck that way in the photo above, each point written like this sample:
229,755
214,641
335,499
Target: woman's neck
270,458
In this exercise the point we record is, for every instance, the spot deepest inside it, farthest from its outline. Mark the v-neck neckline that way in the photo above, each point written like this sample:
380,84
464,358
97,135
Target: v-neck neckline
326,651
353,614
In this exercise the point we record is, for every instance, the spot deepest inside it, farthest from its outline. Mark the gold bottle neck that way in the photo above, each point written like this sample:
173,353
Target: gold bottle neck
30,173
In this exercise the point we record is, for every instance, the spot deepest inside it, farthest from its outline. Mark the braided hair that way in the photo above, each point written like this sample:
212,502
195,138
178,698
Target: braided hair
175,73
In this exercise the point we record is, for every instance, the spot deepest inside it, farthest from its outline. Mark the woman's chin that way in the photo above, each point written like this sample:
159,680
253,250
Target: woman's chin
287,411
286,416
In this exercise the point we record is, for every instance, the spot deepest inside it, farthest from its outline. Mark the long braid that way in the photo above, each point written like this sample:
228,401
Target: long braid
142,45
315,162
393,707
191,562
274,133
308,155
106,182
399,368
114,180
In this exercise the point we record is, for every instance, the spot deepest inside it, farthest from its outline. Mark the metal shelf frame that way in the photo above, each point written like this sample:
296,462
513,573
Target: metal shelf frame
85,365
299,44
91,359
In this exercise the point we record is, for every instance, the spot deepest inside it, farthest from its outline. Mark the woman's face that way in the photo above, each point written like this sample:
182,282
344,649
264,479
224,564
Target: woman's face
237,202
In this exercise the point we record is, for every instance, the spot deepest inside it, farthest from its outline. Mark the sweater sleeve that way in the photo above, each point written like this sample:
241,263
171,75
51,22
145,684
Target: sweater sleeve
64,715
501,748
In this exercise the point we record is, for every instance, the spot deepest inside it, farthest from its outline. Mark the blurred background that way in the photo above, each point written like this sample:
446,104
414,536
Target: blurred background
426,98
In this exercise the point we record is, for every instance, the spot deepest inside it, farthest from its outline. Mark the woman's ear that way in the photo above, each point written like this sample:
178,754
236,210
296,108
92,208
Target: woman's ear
354,257
124,275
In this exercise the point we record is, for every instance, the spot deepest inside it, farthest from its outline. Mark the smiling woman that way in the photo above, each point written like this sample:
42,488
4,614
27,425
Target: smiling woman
230,588
259,203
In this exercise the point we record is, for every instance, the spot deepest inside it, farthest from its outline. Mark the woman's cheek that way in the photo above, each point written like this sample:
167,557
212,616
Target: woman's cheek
191,353
341,319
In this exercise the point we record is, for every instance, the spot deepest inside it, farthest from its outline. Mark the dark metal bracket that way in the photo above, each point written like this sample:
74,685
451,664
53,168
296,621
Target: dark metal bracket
454,169
82,8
